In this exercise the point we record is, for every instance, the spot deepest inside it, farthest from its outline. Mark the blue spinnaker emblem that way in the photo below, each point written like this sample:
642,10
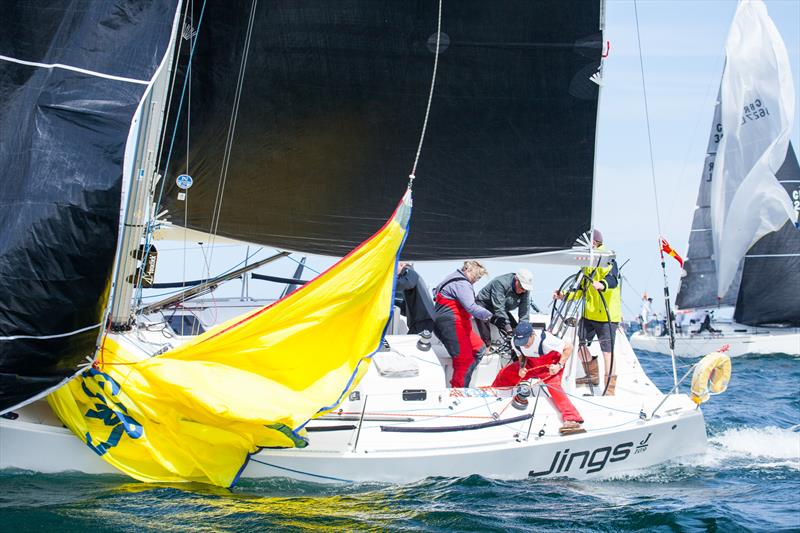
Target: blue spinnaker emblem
111,411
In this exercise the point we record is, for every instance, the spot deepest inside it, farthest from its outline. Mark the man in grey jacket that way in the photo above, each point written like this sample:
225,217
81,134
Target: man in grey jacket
503,294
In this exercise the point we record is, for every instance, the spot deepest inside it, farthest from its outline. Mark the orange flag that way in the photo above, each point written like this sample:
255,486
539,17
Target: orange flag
666,248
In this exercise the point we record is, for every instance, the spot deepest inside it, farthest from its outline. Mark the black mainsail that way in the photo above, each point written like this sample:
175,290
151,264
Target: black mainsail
331,110
768,293
72,76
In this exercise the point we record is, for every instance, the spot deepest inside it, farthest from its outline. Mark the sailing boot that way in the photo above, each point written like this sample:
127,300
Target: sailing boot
592,373
571,427
612,385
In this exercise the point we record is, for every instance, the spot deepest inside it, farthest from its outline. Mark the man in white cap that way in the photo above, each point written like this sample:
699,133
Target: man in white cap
503,294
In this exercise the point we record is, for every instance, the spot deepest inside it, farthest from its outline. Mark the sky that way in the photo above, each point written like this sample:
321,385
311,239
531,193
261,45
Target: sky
682,43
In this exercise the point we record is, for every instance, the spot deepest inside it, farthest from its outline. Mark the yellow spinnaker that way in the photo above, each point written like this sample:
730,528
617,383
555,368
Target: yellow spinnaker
196,412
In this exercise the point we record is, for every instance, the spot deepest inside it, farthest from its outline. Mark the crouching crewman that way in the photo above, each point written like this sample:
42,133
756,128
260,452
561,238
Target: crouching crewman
542,355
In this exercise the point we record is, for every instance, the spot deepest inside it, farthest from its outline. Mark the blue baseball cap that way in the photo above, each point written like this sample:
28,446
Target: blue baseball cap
522,333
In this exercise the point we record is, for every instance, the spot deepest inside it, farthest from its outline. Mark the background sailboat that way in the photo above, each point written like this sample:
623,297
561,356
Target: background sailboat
766,315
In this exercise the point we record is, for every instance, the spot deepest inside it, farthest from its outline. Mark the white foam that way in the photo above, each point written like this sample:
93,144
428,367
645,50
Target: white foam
766,447
769,442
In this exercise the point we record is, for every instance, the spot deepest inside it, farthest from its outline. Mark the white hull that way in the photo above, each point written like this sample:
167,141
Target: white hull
385,458
762,343
372,443
510,456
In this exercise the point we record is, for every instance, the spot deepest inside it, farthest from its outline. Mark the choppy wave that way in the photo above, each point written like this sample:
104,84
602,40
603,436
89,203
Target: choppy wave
747,480
767,446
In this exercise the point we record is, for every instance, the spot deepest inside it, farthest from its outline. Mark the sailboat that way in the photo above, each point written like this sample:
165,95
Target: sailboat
744,245
292,125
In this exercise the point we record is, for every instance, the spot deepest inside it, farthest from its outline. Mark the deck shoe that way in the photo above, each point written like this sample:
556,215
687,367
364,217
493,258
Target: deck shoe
571,427
592,373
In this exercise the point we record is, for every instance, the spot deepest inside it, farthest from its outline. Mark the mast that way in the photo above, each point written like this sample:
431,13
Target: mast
597,78
141,185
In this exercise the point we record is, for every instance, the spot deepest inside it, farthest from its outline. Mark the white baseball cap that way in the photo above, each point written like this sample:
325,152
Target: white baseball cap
525,278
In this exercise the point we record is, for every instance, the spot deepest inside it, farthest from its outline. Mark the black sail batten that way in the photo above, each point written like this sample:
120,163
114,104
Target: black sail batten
768,294
72,78
332,104
698,286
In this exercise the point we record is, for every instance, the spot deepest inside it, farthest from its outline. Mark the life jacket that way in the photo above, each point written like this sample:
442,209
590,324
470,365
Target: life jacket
594,308
451,322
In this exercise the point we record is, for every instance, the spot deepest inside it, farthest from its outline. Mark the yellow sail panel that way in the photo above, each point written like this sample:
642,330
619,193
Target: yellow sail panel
196,412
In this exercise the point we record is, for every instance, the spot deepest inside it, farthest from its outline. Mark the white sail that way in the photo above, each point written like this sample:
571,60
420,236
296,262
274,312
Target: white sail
757,94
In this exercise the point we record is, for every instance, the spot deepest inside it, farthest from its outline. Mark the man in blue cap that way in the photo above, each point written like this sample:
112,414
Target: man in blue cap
542,355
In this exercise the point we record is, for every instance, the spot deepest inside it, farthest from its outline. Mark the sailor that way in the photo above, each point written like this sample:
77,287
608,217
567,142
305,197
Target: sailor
602,313
542,355
679,320
646,312
419,309
706,325
503,294
455,303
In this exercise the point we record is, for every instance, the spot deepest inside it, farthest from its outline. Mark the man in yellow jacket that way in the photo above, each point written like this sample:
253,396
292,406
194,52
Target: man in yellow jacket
602,313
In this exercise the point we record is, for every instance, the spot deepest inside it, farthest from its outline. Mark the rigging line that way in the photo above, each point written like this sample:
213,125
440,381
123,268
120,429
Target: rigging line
647,118
671,213
413,174
180,107
231,269
172,89
207,260
667,306
149,231
226,160
630,286
188,149
298,262
183,33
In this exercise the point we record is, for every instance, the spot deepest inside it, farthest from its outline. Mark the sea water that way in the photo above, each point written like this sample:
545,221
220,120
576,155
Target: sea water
748,480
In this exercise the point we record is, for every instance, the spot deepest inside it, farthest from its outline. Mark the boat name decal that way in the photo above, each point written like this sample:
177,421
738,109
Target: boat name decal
591,460
109,409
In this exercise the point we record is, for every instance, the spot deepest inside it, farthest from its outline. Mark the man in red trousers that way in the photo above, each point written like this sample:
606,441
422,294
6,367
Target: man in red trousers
542,355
